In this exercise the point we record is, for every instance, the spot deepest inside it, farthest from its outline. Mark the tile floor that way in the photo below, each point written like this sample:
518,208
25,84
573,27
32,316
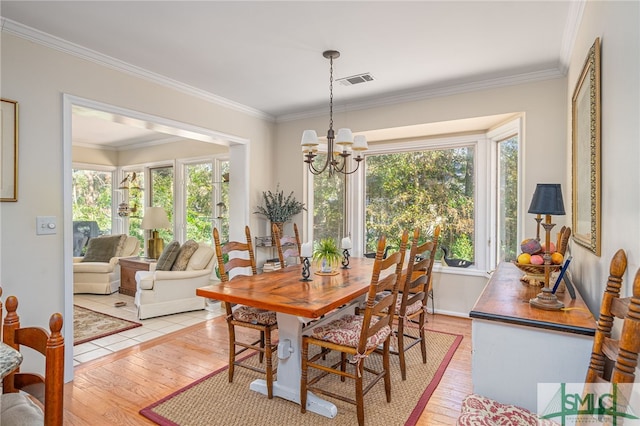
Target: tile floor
151,328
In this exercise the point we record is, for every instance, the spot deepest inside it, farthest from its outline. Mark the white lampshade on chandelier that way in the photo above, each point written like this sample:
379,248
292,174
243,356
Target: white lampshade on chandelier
339,146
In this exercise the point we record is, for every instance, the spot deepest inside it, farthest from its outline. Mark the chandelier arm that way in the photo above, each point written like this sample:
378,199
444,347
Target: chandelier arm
316,171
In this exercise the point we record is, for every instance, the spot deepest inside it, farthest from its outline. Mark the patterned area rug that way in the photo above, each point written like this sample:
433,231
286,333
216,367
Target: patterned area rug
212,400
90,325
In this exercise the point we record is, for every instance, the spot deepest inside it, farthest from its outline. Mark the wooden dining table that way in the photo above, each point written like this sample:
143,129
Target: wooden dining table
297,304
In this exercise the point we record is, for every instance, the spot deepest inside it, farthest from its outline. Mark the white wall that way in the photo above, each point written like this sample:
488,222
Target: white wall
543,105
617,24
31,267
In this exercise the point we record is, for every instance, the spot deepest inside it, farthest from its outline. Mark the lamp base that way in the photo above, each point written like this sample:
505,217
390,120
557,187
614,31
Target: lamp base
155,246
546,300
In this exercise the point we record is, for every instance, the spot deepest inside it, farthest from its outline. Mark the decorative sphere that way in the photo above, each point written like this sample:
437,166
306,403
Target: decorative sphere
530,246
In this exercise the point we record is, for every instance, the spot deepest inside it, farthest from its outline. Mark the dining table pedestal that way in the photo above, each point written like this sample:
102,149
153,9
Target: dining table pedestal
287,386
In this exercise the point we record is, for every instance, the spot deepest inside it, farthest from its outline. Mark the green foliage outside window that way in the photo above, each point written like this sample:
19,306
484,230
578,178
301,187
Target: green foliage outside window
92,197
199,208
328,204
161,187
422,189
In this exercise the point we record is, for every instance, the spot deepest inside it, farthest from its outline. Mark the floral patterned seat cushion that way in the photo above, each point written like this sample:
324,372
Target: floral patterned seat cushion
254,315
481,411
346,331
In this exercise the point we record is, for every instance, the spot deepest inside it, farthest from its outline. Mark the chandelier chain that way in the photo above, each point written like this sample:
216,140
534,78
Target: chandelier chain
331,92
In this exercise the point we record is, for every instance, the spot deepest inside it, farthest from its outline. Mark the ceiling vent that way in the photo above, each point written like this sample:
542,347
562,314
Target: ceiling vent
356,79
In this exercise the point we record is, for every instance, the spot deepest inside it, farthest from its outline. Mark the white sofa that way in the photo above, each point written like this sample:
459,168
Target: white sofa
170,292
102,277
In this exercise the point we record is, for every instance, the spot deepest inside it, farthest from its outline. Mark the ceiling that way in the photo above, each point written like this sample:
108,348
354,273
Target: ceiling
265,57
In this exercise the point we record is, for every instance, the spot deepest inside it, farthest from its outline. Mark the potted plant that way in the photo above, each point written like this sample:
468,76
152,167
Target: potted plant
278,208
327,254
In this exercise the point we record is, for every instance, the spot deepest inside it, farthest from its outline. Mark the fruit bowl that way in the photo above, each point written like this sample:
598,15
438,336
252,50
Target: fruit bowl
534,274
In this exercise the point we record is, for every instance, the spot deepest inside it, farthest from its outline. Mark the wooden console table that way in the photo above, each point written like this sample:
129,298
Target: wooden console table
128,268
516,346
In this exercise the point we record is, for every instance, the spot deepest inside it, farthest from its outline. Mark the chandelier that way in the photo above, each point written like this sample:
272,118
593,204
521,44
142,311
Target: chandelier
339,146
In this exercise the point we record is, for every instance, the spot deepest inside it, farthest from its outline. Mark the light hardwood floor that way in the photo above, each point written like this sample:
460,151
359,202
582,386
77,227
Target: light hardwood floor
111,390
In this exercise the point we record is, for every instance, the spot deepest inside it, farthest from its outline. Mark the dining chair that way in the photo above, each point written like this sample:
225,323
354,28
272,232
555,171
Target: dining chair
242,262
356,335
288,246
31,398
412,299
612,361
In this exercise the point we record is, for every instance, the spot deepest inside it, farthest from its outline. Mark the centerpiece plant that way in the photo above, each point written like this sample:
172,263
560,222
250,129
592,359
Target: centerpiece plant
327,254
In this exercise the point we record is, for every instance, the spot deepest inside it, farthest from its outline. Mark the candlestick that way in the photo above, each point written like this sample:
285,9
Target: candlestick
345,259
305,269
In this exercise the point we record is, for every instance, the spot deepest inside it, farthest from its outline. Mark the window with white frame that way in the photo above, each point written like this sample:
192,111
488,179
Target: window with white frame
469,185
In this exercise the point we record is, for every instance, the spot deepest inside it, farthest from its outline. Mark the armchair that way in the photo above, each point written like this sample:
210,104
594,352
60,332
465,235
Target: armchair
169,292
102,277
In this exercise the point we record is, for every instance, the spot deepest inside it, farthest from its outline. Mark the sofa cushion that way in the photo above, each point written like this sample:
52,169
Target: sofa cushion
168,256
102,249
129,247
93,267
186,251
200,258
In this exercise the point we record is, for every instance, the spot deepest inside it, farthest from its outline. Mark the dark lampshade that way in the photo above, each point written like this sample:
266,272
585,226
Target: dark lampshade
547,199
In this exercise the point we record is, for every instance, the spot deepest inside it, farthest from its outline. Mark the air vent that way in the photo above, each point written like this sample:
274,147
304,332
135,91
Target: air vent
356,79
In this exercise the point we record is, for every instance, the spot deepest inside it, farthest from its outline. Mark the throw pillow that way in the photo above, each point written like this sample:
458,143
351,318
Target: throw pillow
186,251
168,256
200,258
102,249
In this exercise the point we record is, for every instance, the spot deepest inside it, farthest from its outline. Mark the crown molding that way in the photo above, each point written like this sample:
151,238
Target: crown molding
418,95
19,30
571,27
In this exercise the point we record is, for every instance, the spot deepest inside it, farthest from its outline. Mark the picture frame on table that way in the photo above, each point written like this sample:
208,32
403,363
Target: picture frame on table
585,118
9,150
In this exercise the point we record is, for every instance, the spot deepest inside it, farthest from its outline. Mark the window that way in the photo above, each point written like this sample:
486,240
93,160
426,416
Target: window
422,189
161,195
92,194
328,204
199,201
222,199
92,206
507,202
469,185
134,196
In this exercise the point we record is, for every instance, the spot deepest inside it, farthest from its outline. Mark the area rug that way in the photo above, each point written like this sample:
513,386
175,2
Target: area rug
89,325
212,400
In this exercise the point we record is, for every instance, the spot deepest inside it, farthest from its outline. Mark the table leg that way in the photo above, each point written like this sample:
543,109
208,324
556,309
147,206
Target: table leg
289,362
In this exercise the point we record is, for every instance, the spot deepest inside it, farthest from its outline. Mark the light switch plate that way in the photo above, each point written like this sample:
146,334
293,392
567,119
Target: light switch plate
46,225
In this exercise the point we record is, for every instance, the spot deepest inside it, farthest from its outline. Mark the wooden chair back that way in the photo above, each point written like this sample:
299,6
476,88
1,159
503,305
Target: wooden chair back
288,246
604,348
417,284
47,389
386,275
234,262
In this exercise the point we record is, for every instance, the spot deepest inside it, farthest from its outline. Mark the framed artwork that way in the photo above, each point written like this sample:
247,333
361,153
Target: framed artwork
585,104
9,150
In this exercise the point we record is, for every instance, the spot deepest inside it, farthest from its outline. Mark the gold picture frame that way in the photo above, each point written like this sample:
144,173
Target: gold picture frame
585,118
9,150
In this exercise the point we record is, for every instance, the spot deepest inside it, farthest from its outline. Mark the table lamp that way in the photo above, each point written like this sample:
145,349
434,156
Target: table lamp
547,201
155,218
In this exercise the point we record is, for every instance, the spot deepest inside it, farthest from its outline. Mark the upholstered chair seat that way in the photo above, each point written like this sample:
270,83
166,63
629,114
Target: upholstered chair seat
100,274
